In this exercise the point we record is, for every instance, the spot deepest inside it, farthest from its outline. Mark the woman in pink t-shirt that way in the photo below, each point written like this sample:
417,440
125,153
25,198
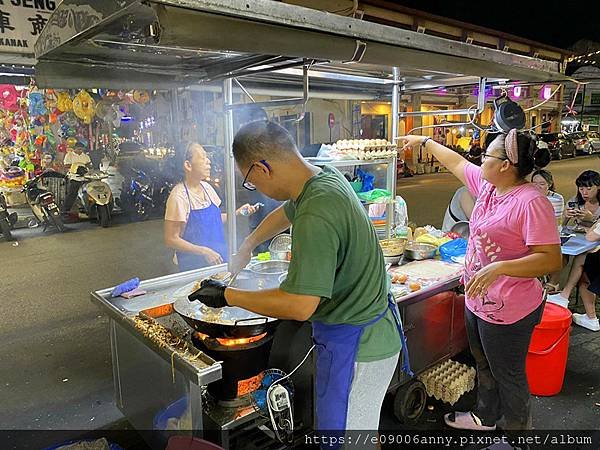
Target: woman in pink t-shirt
514,240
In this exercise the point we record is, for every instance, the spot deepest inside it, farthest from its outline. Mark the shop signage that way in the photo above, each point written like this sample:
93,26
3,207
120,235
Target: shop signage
331,120
21,22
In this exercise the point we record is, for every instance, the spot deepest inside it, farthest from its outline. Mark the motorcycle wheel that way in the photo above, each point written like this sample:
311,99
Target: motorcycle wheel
56,220
103,216
141,210
5,228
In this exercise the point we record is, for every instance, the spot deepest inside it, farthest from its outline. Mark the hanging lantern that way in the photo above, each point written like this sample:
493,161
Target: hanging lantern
84,106
64,102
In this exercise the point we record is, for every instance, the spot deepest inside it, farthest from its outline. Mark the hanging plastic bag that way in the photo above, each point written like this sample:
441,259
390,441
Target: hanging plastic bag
455,248
367,180
375,195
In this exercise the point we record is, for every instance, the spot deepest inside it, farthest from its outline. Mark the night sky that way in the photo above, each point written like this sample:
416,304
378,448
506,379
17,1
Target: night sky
557,23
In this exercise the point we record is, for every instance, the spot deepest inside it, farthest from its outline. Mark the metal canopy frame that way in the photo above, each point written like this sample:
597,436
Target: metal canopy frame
166,44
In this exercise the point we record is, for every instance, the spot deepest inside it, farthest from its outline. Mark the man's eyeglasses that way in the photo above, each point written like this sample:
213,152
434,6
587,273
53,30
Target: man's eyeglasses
246,184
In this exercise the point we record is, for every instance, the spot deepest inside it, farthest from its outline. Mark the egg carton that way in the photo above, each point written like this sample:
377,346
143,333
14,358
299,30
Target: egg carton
448,381
363,144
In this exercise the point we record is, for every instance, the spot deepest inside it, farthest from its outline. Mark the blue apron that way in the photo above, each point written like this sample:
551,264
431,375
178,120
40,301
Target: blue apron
337,346
204,227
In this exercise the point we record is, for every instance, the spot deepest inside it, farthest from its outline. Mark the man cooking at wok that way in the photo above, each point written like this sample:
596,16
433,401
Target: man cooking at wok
336,278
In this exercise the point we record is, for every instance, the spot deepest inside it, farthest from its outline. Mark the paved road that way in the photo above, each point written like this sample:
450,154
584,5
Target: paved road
55,367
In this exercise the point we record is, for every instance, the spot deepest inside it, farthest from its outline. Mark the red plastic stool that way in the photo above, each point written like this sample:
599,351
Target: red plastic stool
191,443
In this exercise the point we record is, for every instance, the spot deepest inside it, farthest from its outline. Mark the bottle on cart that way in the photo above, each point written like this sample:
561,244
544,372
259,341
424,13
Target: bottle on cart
400,218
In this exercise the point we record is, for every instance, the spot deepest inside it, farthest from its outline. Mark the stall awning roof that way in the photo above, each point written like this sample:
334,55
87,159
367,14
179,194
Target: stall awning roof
168,43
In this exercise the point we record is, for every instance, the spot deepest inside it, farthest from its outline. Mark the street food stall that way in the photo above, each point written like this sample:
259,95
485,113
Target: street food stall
175,368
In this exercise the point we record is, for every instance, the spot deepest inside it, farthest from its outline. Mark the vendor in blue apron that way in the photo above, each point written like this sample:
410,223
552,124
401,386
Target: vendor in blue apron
193,220
336,279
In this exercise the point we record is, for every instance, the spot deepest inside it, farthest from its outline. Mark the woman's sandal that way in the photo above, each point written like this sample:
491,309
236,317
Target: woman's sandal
552,288
466,421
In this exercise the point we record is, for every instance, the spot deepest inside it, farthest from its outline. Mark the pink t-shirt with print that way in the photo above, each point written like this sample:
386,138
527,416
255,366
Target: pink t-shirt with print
502,228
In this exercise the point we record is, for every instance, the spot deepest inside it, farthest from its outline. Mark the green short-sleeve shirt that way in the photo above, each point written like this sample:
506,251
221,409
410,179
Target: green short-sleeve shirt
336,256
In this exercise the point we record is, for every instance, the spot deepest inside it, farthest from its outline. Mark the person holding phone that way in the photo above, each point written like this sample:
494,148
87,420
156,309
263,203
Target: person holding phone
584,208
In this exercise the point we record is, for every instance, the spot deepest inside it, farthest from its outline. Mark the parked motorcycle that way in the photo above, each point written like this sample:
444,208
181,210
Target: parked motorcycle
7,220
42,202
95,195
144,194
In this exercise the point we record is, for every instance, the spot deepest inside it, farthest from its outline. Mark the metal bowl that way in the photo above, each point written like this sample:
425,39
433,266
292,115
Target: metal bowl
393,260
269,267
418,250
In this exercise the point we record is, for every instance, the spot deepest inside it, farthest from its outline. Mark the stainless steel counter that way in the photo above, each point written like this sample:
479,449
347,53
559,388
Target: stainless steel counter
155,383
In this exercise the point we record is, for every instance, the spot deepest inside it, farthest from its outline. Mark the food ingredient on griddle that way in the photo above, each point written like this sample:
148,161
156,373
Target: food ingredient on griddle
414,286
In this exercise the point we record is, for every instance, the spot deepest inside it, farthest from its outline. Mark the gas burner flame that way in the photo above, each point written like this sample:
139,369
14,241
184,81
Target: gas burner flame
233,342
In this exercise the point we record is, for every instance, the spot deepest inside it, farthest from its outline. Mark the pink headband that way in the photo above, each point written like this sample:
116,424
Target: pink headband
511,147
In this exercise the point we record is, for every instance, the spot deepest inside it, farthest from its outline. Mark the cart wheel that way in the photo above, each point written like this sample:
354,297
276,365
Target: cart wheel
410,401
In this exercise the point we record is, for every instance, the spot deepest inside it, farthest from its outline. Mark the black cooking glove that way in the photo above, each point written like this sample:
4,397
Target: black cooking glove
211,293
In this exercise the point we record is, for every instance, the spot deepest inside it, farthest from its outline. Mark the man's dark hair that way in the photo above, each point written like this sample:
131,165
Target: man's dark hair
263,139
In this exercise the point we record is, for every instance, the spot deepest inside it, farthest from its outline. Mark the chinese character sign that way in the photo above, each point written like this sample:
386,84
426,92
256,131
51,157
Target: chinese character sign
21,22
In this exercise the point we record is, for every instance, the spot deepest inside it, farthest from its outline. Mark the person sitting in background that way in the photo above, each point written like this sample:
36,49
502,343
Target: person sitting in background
590,284
544,181
585,206
76,157
460,208
461,205
585,209
73,160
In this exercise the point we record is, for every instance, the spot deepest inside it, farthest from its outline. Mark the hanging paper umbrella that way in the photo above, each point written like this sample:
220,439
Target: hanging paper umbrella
50,136
8,97
64,102
103,108
36,104
51,99
141,97
69,119
84,106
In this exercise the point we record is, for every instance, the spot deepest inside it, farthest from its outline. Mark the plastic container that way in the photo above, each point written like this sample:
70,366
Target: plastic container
548,351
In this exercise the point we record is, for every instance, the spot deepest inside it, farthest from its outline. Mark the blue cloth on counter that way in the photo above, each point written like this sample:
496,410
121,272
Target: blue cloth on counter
126,286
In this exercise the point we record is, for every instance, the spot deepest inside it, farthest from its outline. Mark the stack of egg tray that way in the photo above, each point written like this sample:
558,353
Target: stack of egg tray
448,381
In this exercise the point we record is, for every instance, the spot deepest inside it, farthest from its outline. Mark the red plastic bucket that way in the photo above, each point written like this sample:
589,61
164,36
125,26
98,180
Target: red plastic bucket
548,351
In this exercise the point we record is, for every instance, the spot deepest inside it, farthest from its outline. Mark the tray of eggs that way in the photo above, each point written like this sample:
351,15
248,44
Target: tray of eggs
366,148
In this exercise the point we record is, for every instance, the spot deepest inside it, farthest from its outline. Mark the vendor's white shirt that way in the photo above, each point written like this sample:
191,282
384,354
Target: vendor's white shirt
75,160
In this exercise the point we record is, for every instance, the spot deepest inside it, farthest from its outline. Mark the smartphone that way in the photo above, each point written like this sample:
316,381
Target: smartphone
572,205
